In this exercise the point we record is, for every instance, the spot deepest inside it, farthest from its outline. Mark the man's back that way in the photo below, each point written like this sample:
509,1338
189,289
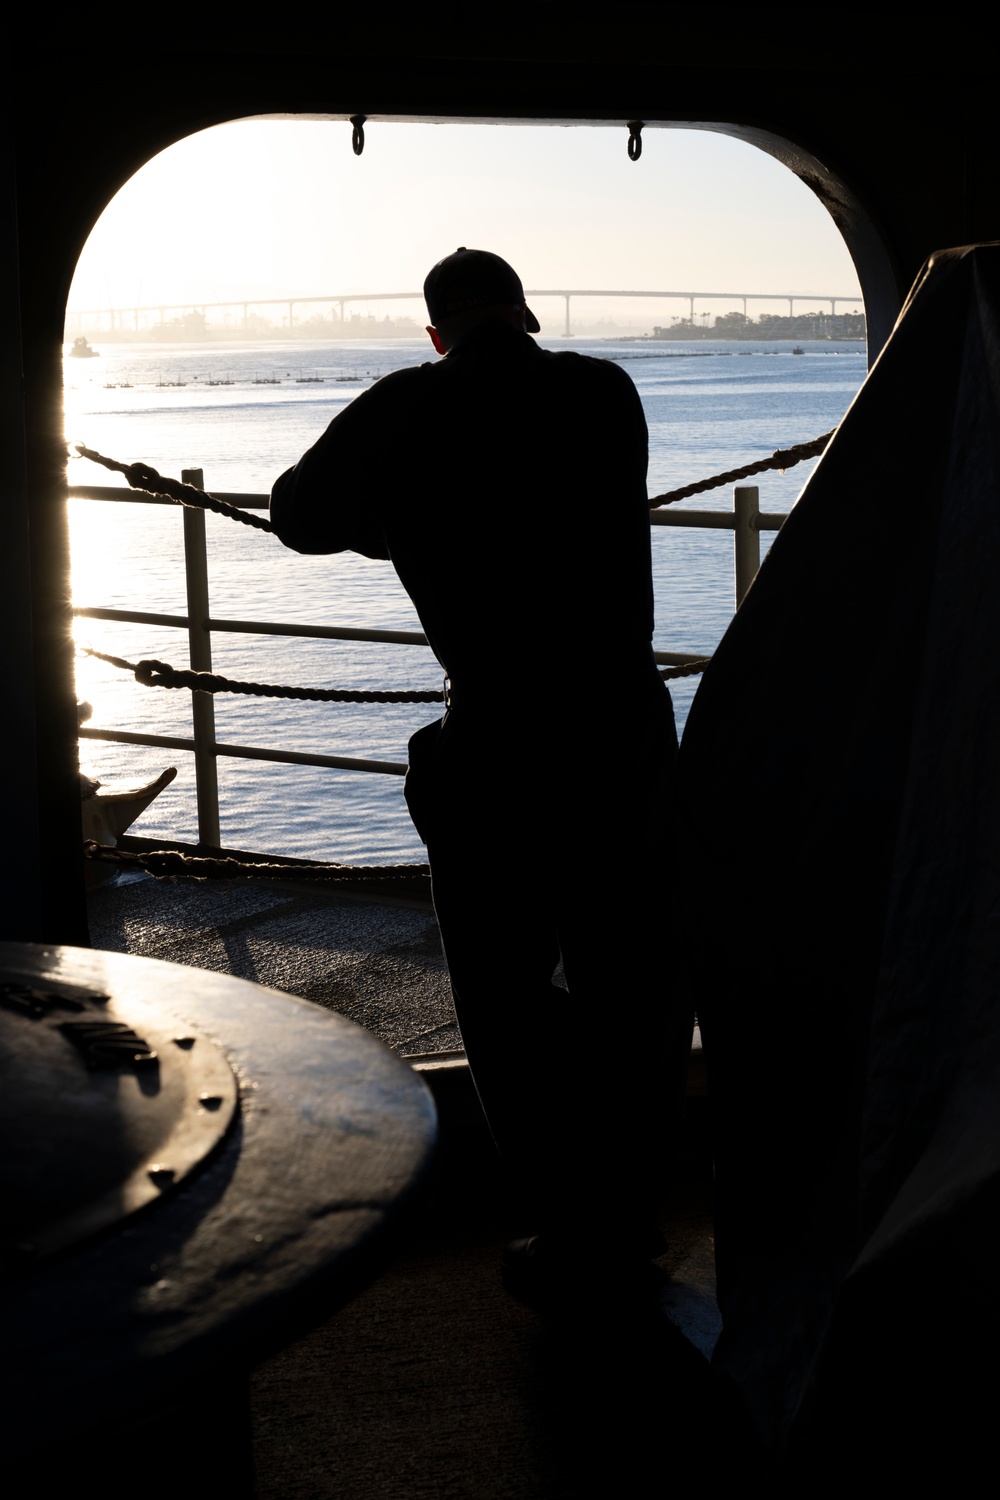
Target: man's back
507,484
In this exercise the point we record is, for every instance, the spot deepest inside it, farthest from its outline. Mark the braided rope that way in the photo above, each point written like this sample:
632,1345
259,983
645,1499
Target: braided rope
166,862
153,673
143,477
686,669
781,458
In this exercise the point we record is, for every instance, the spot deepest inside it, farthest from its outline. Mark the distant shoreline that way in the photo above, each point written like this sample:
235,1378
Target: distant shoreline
723,338
172,340
645,340
730,328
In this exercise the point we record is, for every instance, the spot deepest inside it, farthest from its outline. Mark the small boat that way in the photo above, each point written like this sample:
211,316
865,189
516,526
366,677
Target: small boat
82,350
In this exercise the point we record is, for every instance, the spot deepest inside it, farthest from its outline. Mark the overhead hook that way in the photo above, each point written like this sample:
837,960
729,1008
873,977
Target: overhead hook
358,138
634,139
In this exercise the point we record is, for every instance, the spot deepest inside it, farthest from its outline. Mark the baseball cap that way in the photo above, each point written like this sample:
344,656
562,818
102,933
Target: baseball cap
469,279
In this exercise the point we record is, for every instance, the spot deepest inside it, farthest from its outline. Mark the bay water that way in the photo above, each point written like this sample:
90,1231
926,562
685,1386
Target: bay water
710,406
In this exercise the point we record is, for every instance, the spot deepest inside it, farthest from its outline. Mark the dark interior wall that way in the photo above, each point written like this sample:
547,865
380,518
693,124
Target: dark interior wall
891,131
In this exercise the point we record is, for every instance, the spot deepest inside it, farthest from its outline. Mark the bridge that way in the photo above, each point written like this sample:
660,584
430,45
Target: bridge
120,318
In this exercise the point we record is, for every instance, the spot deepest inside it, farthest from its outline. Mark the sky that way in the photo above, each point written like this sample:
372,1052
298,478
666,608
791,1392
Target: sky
283,207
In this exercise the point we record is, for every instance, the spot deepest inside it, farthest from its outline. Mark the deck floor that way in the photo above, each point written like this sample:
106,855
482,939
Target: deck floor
377,962
434,1382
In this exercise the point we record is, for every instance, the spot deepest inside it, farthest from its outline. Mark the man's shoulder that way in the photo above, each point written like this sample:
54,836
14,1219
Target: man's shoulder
387,400
399,382
589,372
587,366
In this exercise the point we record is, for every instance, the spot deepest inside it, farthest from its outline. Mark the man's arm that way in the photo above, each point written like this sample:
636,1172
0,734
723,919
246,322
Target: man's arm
630,421
330,500
309,514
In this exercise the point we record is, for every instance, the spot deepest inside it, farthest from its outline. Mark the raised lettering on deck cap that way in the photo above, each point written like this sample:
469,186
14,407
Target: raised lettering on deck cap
469,279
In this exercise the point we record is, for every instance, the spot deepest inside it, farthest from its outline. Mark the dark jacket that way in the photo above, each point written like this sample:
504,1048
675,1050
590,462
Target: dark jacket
508,486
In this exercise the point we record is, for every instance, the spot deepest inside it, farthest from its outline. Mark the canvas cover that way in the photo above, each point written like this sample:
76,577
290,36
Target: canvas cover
839,852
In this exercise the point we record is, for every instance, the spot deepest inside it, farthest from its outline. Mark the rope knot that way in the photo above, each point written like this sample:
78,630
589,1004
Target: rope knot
141,476
151,671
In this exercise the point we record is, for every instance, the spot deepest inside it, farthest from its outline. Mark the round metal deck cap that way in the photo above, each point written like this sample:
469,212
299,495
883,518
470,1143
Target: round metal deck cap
287,1218
105,1106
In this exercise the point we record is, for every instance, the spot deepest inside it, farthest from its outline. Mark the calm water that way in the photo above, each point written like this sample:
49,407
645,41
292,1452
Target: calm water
709,407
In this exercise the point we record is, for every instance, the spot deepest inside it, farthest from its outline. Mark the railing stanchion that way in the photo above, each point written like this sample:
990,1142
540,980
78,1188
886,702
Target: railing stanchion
746,537
200,649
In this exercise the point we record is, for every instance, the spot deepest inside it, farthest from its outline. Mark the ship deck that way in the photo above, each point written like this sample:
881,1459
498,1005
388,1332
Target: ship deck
434,1382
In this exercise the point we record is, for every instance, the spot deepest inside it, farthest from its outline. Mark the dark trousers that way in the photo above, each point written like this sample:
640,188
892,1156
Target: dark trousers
582,1085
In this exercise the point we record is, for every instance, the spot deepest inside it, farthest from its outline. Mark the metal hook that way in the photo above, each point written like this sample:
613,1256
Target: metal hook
634,139
358,138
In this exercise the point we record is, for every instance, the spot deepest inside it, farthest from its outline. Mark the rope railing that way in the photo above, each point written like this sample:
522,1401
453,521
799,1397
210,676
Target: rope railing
152,673
781,458
685,669
144,477
165,863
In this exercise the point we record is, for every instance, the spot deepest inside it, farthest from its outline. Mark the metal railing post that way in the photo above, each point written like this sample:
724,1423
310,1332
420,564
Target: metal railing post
746,537
200,649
